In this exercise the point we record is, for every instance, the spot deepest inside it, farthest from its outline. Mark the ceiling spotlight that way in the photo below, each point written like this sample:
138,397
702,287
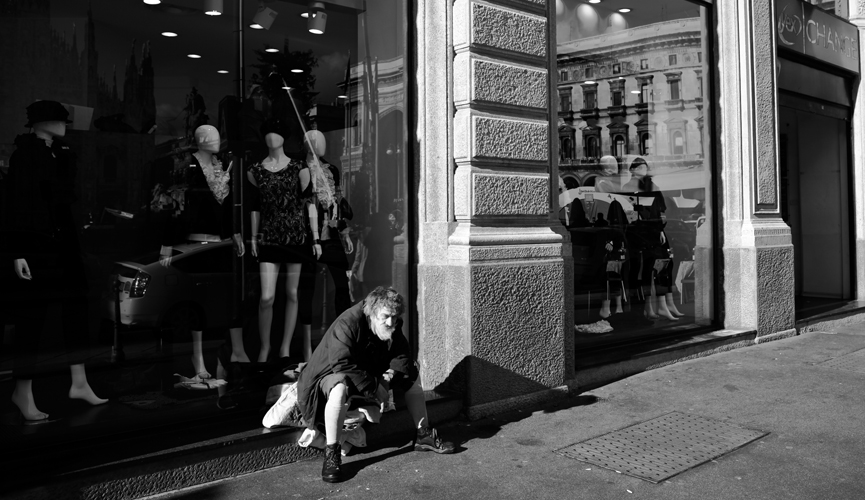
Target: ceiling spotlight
635,91
213,7
286,88
222,71
317,22
594,1
153,2
169,34
342,97
625,10
297,70
589,82
263,18
271,50
317,19
193,56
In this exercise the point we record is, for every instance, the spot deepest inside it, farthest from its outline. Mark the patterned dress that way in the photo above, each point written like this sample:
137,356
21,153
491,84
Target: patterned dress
283,224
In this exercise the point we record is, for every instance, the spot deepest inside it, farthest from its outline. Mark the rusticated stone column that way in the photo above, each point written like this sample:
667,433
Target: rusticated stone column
758,271
495,282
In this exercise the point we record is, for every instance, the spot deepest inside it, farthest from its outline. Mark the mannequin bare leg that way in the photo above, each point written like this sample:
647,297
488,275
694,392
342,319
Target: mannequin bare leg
307,341
618,302
198,356
605,308
80,388
292,280
22,396
238,353
649,310
269,273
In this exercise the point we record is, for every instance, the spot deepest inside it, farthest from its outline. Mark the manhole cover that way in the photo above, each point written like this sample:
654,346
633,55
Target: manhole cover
660,448
854,362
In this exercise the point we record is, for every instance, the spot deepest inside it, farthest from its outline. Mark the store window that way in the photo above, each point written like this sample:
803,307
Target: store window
642,230
163,152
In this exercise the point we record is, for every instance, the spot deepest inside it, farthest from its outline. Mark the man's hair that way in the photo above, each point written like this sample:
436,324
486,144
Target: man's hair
383,297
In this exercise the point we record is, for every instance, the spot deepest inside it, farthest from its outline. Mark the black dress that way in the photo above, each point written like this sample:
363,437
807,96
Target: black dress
283,224
204,214
38,225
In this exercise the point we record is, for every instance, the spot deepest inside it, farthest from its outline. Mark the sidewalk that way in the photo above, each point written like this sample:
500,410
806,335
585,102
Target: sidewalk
815,448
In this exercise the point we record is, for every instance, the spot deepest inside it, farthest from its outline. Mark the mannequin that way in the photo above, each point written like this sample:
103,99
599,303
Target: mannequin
207,216
43,267
657,260
332,211
279,235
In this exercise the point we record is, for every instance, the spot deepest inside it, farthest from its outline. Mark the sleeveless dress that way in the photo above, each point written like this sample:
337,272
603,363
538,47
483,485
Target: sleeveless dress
283,224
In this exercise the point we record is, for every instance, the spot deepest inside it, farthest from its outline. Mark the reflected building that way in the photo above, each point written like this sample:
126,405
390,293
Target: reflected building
636,91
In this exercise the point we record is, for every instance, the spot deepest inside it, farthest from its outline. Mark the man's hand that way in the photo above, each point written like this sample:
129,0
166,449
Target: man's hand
22,270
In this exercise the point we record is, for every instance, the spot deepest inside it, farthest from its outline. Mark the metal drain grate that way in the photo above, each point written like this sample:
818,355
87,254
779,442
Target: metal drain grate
854,362
660,448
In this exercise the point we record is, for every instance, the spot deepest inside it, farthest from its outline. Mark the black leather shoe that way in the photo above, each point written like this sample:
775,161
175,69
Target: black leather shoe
428,440
330,471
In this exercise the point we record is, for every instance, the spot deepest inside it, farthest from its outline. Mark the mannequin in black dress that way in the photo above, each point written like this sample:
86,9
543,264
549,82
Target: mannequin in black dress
278,229
43,266
207,217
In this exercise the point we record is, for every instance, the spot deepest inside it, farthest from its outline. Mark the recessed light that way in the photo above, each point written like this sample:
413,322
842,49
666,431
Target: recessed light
304,15
169,34
256,26
193,56
222,71
296,70
153,2
589,82
271,50
342,97
625,10
213,13
286,88
594,1
635,91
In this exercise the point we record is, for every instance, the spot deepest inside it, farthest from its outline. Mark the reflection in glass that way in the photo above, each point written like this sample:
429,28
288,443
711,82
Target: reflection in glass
639,211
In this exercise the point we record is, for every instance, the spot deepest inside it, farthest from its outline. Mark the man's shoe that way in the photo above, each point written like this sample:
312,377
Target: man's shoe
428,440
330,471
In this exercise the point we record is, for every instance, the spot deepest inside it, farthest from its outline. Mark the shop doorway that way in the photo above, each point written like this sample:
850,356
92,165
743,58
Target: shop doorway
815,199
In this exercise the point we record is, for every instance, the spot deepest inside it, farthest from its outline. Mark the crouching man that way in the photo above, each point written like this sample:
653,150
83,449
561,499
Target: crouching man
362,354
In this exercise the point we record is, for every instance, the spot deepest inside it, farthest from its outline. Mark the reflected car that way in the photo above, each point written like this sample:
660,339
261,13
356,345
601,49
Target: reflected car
196,286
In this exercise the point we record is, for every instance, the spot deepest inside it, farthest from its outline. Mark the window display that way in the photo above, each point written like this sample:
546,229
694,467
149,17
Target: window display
179,199
637,195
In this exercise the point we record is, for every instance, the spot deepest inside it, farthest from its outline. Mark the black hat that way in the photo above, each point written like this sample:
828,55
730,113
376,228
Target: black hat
276,126
46,111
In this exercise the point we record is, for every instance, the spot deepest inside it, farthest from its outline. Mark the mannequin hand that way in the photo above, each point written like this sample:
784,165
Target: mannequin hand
22,270
165,256
316,249
349,246
254,245
663,238
239,248
609,246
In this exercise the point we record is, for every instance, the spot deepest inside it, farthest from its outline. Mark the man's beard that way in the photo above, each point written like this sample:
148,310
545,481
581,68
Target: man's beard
383,332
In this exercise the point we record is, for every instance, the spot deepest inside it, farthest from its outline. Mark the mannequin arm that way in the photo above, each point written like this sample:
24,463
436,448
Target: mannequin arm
254,218
304,179
22,270
313,224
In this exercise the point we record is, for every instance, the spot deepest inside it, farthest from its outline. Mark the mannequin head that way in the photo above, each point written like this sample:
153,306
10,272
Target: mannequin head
48,119
314,141
274,132
609,165
207,138
638,167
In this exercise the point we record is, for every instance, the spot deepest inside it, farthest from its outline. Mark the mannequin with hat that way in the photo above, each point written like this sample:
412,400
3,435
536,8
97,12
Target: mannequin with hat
43,269
279,232
207,217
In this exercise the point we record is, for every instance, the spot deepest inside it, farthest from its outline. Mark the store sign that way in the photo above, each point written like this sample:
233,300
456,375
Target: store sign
809,30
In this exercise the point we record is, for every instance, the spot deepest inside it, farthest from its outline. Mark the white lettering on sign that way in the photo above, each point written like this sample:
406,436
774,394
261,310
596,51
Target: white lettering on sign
792,26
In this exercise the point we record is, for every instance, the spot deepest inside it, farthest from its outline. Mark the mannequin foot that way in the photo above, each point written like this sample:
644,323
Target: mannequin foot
619,305
263,354
671,305
605,309
86,393
663,311
25,403
649,311
239,357
200,371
